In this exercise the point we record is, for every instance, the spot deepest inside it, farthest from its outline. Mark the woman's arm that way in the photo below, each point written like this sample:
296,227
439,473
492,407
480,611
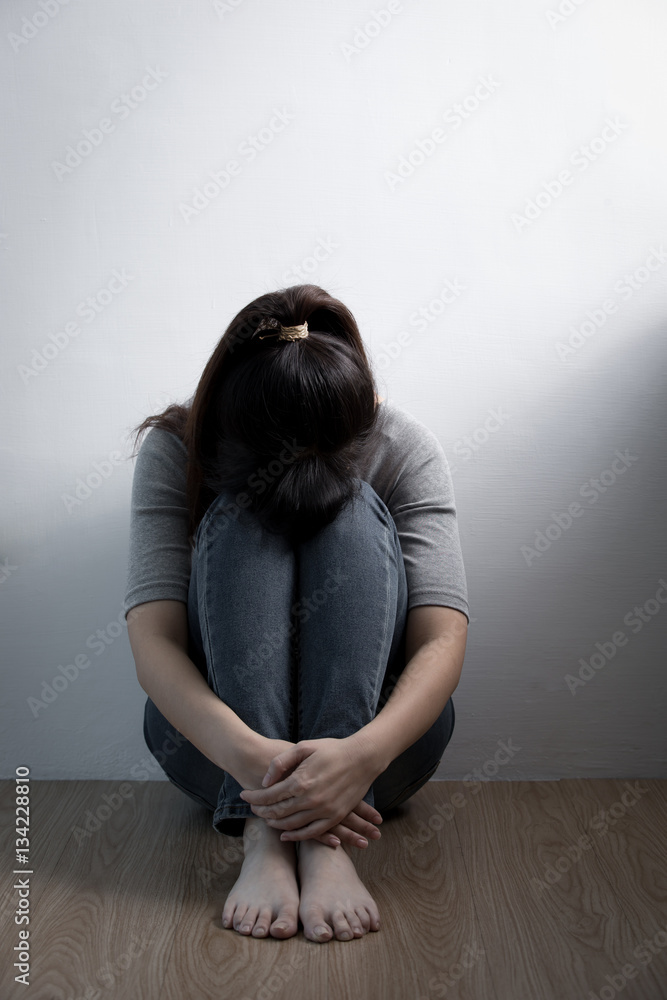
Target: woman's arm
331,772
435,645
158,633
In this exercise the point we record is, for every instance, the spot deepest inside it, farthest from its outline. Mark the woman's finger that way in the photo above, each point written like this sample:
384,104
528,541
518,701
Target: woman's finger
269,796
295,821
309,831
317,830
361,826
328,839
367,812
276,810
348,836
282,763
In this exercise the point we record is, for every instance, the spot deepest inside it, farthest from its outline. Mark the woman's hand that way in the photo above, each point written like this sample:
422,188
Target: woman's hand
317,786
261,761
356,827
254,760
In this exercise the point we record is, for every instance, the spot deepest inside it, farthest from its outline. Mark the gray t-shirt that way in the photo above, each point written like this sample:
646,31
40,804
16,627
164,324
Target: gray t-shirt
408,470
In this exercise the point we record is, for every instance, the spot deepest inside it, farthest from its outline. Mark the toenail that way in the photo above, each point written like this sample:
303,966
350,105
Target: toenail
321,930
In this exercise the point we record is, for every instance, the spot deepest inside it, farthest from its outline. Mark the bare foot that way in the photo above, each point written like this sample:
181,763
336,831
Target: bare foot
265,897
334,900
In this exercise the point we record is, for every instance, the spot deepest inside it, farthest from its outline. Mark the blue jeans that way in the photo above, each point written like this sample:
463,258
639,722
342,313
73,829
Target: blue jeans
302,641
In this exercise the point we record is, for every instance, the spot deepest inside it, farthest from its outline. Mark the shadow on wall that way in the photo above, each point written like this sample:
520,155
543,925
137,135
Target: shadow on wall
565,654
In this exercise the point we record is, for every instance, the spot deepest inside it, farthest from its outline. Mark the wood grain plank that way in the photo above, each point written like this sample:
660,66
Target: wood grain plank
52,805
430,941
6,795
108,911
490,895
544,944
626,822
209,961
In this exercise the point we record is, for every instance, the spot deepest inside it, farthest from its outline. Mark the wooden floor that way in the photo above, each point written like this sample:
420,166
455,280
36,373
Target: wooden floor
516,891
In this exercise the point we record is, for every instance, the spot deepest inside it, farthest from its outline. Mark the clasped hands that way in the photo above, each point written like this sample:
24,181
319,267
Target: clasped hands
314,790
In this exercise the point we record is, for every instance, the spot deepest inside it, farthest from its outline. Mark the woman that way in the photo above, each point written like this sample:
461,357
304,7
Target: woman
297,607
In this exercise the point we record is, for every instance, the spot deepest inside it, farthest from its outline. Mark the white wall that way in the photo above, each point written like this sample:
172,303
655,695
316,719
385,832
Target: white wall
220,73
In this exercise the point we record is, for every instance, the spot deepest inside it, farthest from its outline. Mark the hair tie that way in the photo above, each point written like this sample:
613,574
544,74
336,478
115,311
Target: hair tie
286,332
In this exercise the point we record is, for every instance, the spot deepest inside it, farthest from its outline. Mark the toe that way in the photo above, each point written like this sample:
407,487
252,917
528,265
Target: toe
228,913
364,918
354,923
285,924
341,927
315,927
262,923
239,914
247,923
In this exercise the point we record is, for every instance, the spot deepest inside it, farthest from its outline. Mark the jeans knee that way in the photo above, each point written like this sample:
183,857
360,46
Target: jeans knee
372,499
398,782
219,515
391,801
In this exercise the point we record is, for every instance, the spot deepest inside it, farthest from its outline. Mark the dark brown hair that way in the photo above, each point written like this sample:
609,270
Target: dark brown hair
301,411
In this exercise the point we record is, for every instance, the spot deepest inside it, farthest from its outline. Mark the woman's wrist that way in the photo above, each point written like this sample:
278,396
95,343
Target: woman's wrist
248,758
252,756
370,753
237,745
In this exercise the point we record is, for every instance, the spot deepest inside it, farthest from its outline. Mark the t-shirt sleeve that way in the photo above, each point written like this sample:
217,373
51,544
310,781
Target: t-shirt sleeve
423,506
160,556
